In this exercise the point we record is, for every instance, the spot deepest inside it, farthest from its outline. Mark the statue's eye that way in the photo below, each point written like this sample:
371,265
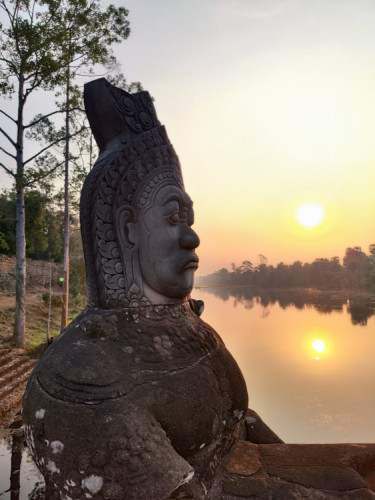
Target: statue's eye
180,217
174,218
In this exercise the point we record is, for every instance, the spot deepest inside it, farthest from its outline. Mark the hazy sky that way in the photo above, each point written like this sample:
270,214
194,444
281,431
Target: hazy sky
269,104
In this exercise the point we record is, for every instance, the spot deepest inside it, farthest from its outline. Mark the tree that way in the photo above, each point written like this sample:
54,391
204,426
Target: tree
355,264
4,248
43,225
42,45
262,259
86,34
246,266
8,222
371,267
27,63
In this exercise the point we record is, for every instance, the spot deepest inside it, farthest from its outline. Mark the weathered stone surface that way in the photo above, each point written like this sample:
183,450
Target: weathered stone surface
300,471
317,454
291,491
166,392
247,487
244,459
325,477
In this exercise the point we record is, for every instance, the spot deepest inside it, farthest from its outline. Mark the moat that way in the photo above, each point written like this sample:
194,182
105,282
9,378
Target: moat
304,395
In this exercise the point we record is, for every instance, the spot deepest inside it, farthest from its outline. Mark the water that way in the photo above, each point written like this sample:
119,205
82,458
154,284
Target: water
303,395
19,476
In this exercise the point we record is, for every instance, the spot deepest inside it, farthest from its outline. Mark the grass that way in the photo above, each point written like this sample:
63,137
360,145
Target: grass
36,322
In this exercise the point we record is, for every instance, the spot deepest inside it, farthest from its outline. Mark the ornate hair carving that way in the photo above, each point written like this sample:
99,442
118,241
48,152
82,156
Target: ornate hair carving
136,156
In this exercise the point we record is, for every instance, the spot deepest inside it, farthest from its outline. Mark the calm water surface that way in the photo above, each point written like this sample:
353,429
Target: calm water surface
16,461
303,395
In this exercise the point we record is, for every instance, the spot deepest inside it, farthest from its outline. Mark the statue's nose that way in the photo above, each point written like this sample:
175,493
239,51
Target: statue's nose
189,239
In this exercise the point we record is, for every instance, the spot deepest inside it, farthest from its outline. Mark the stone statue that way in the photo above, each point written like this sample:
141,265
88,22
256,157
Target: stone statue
138,398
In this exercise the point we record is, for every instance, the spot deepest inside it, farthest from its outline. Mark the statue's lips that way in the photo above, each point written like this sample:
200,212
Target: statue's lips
192,263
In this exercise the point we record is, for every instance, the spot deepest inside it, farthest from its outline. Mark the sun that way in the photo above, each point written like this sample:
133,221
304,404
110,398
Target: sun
310,215
318,345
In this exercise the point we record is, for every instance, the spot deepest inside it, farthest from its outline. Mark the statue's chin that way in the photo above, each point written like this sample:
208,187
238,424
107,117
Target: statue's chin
168,294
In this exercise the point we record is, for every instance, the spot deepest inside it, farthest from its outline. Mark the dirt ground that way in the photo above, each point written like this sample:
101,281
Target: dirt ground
32,297
36,318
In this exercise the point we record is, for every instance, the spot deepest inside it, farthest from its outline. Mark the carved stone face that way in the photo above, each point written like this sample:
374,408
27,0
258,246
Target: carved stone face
167,243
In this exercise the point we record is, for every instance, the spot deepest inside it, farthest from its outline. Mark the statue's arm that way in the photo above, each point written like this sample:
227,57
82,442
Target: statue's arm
125,454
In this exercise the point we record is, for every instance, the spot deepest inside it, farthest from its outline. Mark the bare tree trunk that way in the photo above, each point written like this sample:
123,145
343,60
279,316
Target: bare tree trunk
49,299
65,306
19,326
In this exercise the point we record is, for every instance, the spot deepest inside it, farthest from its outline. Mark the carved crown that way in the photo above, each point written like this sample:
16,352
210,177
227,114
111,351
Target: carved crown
135,157
114,113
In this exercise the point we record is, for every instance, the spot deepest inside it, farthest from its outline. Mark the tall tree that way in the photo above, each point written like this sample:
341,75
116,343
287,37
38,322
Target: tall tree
43,45
27,63
86,35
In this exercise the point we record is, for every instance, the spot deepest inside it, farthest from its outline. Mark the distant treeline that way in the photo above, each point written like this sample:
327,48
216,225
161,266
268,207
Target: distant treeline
357,271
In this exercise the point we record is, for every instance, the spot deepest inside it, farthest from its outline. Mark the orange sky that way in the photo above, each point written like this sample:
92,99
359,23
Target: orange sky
269,105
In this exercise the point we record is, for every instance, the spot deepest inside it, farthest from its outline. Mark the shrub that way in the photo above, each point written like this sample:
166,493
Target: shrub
56,300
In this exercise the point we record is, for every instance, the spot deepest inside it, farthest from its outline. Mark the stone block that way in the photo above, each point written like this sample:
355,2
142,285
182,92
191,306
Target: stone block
244,459
319,477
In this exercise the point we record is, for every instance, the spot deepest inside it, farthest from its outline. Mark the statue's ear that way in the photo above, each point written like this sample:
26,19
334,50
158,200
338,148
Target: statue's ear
126,218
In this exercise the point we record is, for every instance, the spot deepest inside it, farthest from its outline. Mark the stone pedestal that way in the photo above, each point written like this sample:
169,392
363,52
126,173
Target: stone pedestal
288,471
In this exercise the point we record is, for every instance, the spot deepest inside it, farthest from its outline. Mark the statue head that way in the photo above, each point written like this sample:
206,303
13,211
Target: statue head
136,217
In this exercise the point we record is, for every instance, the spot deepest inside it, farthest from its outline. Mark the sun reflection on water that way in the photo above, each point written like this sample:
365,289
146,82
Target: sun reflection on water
319,348
318,345
303,399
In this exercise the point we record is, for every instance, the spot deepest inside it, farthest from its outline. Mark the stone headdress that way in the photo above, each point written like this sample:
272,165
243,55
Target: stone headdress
136,156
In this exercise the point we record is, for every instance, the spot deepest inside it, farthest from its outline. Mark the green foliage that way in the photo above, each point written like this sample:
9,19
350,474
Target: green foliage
79,301
27,46
43,226
4,247
56,300
43,45
84,36
8,222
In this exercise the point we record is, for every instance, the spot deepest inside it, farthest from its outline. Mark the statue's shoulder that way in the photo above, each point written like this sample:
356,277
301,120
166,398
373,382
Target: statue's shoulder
103,353
90,358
